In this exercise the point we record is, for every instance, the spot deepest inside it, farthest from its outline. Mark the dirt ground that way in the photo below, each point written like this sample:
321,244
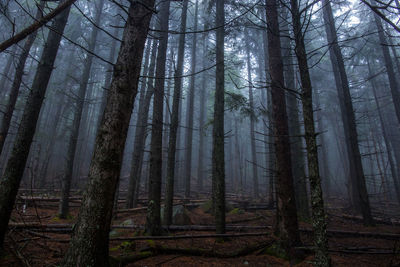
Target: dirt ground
37,237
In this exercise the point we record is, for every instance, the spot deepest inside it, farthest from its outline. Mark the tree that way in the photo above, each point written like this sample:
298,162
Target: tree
218,153
251,103
89,243
12,176
170,178
190,107
317,201
73,138
19,72
357,178
287,224
153,218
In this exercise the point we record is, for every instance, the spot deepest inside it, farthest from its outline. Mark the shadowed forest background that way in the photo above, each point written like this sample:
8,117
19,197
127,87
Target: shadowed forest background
199,133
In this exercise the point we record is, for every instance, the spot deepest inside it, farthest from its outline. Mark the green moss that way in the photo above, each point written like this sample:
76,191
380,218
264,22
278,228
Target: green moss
151,243
57,218
236,211
207,206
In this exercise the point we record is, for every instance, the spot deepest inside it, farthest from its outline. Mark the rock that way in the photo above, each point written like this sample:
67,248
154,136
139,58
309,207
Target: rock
128,222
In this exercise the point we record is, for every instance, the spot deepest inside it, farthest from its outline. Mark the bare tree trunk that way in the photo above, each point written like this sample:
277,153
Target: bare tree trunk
298,160
89,243
254,161
13,173
171,173
218,153
153,218
317,201
203,113
73,138
140,134
287,226
190,108
359,188
19,72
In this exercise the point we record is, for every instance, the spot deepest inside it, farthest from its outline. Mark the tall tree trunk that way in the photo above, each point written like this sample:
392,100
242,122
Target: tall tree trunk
218,153
13,173
386,138
317,201
203,111
254,161
394,86
287,226
298,160
359,188
171,173
89,243
153,218
271,164
19,72
190,108
140,134
73,138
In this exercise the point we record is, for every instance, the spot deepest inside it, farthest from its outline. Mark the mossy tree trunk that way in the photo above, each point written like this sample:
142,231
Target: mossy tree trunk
317,201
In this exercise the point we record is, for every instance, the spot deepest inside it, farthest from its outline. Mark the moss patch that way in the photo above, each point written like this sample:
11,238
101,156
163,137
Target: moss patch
236,211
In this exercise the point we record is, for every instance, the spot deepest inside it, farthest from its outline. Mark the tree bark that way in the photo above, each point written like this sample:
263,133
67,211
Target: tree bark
13,173
89,243
218,153
153,218
287,226
317,201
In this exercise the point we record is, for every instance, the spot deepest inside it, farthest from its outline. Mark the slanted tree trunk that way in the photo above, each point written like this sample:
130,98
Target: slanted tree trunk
251,103
359,188
140,134
6,72
19,72
190,108
153,218
218,153
317,201
287,225
171,173
73,138
13,173
89,242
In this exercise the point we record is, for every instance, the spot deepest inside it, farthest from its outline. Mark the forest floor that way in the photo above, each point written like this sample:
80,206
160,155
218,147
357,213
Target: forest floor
37,237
